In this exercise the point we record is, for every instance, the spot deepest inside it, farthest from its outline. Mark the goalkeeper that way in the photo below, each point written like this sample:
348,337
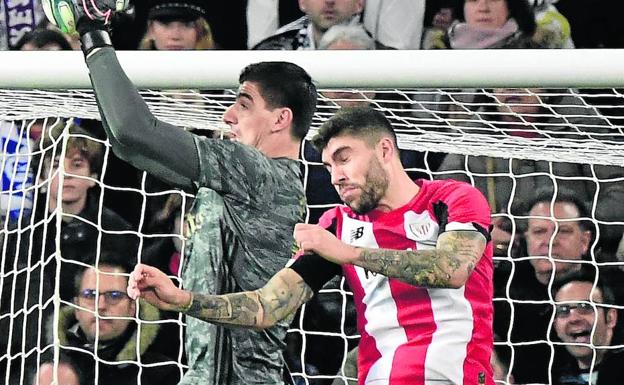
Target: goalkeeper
249,193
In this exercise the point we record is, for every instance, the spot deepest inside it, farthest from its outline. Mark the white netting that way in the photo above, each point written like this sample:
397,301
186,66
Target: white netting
529,133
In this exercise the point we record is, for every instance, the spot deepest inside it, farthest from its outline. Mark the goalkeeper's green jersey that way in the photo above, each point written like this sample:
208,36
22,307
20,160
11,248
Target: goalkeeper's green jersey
241,228
241,223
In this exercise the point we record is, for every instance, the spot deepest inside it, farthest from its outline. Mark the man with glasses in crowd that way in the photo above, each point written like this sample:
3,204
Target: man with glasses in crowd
103,318
585,321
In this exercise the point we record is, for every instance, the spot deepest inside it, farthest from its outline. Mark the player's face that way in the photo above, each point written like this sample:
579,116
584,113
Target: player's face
249,118
574,320
356,172
75,182
486,13
108,308
558,235
173,35
327,13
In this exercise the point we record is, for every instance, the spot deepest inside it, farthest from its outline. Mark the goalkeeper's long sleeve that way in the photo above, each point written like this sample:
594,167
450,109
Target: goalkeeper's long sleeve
164,150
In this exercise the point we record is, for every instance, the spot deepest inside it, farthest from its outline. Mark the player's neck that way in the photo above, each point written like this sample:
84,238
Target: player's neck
401,190
280,148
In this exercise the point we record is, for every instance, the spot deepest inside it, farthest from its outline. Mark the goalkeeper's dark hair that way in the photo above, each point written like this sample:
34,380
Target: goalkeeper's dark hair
361,122
283,84
79,140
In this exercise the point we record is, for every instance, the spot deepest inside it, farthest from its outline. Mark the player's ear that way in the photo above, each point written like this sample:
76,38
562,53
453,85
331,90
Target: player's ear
283,119
387,148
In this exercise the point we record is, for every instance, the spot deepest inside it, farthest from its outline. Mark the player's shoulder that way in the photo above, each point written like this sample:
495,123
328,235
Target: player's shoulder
450,188
332,216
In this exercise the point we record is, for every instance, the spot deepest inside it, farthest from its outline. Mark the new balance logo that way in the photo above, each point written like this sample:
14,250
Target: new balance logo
357,233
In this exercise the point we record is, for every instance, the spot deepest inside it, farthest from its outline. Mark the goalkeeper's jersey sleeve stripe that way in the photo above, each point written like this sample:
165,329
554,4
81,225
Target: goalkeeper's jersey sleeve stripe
136,135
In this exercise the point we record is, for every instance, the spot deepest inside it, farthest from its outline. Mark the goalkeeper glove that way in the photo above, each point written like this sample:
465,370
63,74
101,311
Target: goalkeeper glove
66,14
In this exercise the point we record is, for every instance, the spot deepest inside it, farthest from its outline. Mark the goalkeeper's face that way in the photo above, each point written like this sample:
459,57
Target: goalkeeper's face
252,122
108,314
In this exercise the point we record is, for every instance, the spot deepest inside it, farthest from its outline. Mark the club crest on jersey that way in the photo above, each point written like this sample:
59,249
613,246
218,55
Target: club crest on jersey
420,227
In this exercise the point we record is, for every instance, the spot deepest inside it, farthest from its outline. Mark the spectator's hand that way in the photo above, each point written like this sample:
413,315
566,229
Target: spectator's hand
66,13
314,238
155,287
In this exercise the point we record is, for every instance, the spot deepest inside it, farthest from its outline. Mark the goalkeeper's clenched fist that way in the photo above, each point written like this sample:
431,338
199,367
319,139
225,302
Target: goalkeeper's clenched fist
66,13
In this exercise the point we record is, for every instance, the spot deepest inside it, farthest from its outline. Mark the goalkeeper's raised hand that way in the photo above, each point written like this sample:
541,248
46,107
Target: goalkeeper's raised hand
65,14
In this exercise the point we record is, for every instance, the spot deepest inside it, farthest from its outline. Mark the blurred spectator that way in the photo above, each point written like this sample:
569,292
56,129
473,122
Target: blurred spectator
306,32
81,217
43,40
264,17
585,321
550,234
16,19
507,182
439,16
395,23
177,25
501,360
502,24
16,195
553,231
106,339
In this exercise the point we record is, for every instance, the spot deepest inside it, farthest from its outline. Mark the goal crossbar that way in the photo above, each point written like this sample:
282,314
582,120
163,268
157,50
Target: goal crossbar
334,68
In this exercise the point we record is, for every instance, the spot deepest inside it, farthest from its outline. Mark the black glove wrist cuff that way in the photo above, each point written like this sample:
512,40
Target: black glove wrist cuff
95,39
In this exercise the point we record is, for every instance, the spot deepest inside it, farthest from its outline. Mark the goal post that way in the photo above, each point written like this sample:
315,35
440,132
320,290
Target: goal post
543,117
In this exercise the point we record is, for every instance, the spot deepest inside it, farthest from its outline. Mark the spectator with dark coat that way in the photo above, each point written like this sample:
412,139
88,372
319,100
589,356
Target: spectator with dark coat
100,332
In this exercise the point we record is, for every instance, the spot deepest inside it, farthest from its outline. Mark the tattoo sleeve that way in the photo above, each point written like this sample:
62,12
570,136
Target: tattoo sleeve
447,266
262,308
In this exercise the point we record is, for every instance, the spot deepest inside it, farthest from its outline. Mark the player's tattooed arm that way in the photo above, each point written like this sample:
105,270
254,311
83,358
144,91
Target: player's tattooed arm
449,265
262,308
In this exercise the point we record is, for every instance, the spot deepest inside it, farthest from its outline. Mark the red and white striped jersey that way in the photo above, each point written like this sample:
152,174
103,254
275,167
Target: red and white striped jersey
415,335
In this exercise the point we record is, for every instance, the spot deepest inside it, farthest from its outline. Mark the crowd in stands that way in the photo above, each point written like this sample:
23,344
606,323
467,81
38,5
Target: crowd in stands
557,309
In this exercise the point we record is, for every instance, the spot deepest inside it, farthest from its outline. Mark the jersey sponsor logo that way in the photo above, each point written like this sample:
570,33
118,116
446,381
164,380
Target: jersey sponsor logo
421,228
356,234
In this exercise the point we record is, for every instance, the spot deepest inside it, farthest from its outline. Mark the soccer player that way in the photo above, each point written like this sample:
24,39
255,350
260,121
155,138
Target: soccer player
415,253
249,194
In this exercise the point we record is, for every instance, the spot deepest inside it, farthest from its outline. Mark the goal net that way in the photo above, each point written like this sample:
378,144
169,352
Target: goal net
510,137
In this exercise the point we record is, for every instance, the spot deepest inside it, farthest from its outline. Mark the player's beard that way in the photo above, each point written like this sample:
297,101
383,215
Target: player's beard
374,188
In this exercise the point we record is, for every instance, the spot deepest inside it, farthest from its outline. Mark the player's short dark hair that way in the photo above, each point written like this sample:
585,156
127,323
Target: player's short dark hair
563,195
361,122
284,84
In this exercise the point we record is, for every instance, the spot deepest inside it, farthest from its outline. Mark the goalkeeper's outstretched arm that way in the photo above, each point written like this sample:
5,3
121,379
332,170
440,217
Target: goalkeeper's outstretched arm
259,309
167,151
